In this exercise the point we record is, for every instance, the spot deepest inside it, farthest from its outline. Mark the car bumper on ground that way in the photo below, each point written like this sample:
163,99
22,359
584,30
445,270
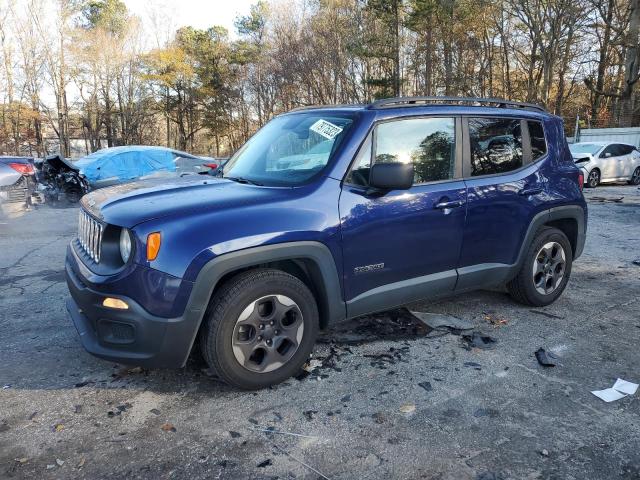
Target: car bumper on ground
129,336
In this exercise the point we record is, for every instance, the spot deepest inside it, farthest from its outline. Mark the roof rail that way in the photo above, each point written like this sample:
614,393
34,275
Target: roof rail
422,101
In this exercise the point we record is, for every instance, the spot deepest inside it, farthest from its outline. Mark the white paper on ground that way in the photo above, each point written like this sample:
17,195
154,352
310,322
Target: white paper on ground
609,394
623,386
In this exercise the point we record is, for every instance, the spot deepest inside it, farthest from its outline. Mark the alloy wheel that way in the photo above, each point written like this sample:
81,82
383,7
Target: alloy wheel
635,178
267,333
549,268
594,178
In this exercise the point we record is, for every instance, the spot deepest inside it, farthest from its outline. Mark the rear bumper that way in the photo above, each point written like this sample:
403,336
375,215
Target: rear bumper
132,336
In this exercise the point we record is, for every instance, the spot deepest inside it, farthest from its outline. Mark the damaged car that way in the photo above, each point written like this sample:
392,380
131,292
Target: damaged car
17,180
112,166
59,180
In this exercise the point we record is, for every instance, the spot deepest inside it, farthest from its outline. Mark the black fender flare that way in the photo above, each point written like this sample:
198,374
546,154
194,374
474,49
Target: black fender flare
325,277
573,212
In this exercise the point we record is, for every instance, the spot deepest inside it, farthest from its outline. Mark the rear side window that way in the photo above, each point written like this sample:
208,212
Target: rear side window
496,145
538,143
625,149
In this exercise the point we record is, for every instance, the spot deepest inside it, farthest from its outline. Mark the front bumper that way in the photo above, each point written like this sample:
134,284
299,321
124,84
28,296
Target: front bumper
132,336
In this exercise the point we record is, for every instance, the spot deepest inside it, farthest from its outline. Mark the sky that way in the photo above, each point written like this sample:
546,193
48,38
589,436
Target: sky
196,13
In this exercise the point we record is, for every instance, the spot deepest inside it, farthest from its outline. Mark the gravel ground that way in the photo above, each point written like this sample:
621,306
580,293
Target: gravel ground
389,400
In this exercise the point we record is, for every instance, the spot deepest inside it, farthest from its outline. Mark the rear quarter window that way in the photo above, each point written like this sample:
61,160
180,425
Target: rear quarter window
538,141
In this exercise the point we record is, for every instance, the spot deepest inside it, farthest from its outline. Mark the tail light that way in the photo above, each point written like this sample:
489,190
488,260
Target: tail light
581,180
23,168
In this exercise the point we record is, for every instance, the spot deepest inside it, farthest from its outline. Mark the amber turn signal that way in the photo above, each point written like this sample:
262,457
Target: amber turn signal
115,303
153,245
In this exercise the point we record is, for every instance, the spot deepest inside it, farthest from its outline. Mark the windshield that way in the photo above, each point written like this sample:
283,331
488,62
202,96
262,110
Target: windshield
289,150
589,148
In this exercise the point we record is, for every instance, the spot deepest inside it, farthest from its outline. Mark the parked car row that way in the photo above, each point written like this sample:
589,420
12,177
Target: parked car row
607,162
55,179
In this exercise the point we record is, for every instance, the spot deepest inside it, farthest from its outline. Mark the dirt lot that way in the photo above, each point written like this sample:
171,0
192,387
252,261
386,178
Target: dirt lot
388,400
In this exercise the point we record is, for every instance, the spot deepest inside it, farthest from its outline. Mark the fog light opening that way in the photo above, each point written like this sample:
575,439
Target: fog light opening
115,303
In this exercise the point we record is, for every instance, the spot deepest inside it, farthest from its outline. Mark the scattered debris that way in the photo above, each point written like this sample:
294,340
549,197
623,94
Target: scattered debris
155,411
442,322
77,409
168,427
33,415
546,314
264,464
379,417
280,432
309,414
478,340
636,262
58,427
391,325
22,460
543,358
426,386
6,387
606,199
544,452
81,462
119,409
234,434
474,365
59,462
407,408
495,321
621,388
346,398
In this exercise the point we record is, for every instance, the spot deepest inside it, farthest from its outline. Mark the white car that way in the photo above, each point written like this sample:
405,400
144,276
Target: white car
607,162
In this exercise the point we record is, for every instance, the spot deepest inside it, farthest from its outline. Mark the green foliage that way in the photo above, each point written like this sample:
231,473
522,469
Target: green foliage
109,15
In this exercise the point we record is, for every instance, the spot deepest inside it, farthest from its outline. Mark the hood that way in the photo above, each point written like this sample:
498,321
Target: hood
130,204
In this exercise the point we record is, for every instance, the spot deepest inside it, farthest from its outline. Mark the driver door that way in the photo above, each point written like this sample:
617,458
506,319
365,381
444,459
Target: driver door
403,245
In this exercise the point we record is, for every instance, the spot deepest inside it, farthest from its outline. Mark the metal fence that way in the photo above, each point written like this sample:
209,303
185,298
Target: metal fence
630,135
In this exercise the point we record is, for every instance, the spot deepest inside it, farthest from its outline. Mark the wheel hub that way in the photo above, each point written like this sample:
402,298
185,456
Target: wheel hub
549,267
267,333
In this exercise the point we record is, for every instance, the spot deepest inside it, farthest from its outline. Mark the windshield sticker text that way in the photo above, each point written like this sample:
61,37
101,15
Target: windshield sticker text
326,129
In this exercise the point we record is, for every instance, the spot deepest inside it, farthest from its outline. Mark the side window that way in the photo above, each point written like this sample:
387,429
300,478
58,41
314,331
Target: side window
610,151
496,145
429,143
538,143
359,174
625,149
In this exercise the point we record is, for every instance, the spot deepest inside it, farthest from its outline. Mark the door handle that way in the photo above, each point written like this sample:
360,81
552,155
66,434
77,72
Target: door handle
443,205
525,192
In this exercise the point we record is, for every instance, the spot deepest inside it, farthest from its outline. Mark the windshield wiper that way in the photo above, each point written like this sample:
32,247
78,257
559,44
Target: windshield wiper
245,180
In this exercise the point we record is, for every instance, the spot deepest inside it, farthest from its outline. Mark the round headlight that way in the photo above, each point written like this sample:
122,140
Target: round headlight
125,245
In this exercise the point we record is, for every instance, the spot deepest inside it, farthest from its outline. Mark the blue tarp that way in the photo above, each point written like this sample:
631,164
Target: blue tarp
126,163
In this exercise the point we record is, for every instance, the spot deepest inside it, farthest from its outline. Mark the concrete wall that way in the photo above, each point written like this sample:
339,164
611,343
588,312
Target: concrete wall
622,135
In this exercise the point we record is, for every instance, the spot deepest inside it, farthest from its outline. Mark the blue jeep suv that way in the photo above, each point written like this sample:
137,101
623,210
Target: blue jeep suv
326,214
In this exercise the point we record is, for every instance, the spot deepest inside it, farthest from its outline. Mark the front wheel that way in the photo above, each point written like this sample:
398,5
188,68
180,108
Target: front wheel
635,177
545,270
259,329
593,180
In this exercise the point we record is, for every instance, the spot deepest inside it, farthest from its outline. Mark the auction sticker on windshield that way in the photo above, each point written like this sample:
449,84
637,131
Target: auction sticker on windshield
326,129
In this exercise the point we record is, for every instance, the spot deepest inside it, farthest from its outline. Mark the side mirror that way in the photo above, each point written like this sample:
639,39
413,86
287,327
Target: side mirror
607,155
391,176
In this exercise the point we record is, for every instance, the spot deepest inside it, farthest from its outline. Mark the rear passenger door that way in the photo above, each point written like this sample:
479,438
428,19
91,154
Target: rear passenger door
401,246
611,162
505,169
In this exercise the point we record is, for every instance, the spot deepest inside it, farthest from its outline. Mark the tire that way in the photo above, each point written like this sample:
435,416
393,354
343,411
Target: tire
539,289
635,177
593,179
259,329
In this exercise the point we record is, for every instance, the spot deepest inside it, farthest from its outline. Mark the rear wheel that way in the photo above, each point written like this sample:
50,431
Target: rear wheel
545,271
259,329
635,177
594,178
